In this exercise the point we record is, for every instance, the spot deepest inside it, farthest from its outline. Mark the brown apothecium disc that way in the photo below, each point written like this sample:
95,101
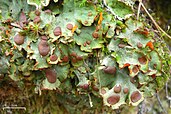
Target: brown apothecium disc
19,39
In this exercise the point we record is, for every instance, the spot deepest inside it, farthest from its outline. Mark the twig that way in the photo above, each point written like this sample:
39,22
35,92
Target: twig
118,111
90,101
16,25
141,107
108,8
139,7
167,95
159,101
98,73
12,107
156,25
